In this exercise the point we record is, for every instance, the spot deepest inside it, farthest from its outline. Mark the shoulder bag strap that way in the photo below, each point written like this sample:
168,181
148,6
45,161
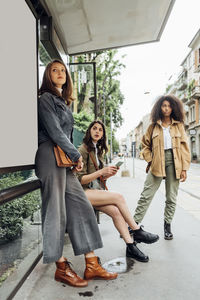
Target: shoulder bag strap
149,164
97,168
154,124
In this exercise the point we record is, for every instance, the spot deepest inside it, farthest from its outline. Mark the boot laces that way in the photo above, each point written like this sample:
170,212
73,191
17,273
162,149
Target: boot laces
141,227
99,260
69,265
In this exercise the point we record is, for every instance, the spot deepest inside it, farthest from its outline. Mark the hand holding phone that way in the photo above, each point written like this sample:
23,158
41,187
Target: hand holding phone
118,164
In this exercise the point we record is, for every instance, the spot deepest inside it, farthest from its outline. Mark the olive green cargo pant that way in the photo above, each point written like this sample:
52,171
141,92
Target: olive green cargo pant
152,184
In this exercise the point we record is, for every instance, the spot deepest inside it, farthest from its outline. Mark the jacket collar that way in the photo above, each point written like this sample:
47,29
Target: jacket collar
173,122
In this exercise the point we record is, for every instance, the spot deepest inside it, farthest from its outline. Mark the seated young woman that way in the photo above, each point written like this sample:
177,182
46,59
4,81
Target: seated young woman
113,204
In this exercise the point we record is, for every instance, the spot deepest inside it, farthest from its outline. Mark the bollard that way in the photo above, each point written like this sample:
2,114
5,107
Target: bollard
133,167
125,173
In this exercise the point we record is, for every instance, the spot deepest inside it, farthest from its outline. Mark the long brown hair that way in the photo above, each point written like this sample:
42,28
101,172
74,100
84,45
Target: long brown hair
48,85
101,144
176,105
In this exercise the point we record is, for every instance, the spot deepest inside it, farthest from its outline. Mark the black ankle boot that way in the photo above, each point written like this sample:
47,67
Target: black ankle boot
143,236
133,252
168,235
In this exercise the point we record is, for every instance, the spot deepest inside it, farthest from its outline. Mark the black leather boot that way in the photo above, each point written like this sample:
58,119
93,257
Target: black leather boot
133,252
168,235
142,236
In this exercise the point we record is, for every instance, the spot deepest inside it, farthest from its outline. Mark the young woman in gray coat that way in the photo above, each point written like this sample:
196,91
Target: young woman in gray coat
64,204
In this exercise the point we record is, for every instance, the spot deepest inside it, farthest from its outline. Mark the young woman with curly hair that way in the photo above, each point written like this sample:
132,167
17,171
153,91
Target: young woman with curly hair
113,204
166,150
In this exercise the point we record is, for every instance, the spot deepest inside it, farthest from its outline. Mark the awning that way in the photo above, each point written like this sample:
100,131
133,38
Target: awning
91,25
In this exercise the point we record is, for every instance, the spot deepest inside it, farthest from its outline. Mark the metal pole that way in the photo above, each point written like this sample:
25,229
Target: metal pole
104,108
111,136
95,91
133,151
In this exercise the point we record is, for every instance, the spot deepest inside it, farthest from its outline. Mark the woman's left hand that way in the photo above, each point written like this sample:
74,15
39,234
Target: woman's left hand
183,176
79,166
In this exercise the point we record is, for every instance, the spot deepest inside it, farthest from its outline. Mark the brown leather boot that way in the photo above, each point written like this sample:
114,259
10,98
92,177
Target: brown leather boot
65,274
94,270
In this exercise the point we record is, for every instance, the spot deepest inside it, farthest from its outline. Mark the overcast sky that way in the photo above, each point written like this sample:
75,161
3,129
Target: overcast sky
149,66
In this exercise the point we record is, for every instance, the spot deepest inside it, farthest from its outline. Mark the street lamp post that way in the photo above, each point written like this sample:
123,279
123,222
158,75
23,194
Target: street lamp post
133,151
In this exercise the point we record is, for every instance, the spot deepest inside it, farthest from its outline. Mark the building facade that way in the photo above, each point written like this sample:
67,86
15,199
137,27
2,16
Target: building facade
187,88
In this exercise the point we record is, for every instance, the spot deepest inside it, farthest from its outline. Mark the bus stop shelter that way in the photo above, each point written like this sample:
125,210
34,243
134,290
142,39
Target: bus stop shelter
64,27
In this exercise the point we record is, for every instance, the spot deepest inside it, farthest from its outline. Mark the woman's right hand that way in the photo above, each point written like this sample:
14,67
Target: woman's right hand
108,171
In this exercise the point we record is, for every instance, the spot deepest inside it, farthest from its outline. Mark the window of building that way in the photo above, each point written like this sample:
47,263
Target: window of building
197,59
199,111
190,60
199,56
192,113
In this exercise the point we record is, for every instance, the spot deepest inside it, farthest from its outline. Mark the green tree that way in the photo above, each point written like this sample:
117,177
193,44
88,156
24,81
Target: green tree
82,120
190,87
115,144
109,93
110,97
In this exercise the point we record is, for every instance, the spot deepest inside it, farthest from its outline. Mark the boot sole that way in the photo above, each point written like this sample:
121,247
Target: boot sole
99,278
70,284
147,242
140,260
168,238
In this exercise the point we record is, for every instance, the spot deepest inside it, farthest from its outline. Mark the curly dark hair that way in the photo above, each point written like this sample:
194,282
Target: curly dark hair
176,105
48,85
101,144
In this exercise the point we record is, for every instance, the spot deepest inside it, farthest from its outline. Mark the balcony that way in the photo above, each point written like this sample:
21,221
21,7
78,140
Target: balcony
183,97
182,84
195,92
197,70
190,101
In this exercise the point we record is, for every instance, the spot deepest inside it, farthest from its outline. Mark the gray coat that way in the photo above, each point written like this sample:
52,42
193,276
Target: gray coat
64,203
56,124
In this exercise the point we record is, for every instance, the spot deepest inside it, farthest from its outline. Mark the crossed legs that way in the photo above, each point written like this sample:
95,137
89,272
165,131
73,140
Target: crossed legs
114,205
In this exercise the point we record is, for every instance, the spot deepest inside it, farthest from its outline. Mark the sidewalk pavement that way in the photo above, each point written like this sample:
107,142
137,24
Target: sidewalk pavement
192,186
172,272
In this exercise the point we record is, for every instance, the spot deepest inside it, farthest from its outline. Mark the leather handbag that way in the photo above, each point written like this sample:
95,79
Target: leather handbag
62,160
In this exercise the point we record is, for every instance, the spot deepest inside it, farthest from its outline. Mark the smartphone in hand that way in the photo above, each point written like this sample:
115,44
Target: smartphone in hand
118,164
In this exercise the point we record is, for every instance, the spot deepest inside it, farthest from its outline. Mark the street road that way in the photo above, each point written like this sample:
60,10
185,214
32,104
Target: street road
189,191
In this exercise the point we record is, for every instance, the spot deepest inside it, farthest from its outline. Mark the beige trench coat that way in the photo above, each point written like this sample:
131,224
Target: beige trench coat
156,156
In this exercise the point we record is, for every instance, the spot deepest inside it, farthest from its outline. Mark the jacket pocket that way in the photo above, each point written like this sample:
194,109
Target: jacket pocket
155,140
177,141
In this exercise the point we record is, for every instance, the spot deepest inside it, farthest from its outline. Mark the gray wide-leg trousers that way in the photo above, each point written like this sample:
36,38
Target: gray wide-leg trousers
64,206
